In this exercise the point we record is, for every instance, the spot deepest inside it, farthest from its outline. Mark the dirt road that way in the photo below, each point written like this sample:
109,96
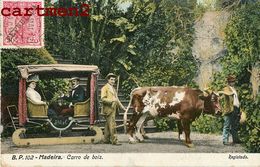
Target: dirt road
163,142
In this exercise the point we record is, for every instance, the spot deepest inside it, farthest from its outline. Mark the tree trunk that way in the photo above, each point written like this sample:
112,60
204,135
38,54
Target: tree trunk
209,44
255,79
92,39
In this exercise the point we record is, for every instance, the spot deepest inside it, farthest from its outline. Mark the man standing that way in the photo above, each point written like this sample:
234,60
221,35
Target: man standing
110,103
231,111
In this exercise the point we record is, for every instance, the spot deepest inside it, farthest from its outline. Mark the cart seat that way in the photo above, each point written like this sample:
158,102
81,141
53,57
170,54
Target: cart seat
37,110
82,109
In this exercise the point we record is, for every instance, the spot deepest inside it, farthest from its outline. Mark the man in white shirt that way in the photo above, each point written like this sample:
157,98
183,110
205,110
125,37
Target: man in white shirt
231,112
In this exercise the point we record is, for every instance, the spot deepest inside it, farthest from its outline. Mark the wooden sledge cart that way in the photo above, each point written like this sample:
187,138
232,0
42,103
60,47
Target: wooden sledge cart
31,114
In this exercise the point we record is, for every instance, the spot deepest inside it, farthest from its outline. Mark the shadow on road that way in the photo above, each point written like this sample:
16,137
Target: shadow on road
163,141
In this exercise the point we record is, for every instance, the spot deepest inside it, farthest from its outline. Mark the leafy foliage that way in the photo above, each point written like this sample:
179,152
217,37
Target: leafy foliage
86,40
207,124
147,45
149,39
158,52
51,89
243,45
12,58
164,124
232,4
243,34
242,41
250,131
160,46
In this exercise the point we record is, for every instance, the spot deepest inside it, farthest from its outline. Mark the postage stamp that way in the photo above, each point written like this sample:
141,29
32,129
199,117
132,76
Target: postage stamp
20,30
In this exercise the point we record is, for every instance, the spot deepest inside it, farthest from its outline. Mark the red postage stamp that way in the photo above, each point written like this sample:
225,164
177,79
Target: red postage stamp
21,29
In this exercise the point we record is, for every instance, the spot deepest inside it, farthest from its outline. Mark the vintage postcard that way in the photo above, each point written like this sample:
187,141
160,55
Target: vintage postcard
130,83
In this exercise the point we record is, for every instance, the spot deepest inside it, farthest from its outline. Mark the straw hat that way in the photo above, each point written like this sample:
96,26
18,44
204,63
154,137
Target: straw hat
111,75
74,78
231,78
32,78
226,91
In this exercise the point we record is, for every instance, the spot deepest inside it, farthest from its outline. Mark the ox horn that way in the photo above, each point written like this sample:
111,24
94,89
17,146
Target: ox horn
216,93
207,91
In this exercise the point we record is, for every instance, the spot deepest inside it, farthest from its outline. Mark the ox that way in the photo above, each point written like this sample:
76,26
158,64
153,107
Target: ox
181,103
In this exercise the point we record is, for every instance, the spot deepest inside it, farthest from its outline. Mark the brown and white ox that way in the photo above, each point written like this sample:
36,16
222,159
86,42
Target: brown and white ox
181,103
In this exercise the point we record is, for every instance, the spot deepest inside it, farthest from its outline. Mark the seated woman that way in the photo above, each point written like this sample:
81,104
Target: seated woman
34,96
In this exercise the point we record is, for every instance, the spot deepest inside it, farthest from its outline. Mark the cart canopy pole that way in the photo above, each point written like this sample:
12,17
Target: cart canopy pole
22,106
92,97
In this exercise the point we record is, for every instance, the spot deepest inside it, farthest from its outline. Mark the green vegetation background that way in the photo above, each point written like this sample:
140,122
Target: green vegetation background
150,44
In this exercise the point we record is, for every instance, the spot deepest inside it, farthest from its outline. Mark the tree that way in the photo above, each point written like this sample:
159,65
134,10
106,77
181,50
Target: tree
242,59
10,59
243,44
85,40
150,39
157,49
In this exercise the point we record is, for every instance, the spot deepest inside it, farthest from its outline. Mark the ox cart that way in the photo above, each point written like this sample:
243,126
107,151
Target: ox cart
83,120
